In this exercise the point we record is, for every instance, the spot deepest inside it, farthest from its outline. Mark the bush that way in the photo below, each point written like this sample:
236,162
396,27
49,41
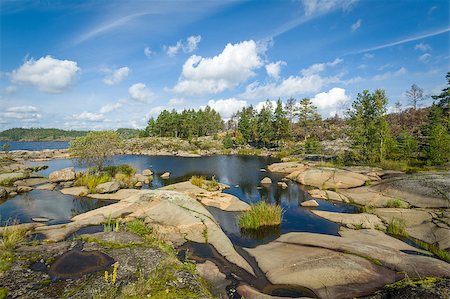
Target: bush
228,141
259,215
124,169
91,181
312,146
198,181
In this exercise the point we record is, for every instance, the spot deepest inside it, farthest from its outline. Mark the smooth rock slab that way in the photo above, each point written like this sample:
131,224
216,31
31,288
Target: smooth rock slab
362,220
309,203
31,182
107,187
330,178
9,178
46,187
328,195
287,167
66,174
119,195
75,191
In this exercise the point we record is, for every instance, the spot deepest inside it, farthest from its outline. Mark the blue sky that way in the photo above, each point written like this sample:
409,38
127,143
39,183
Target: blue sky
109,64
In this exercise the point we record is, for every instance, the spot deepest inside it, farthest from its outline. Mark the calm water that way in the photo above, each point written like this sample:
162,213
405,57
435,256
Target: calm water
34,145
243,174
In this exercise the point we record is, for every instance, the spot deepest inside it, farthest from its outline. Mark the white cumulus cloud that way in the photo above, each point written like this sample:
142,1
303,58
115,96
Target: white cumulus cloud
88,116
141,93
188,46
47,73
388,75
116,76
320,67
110,107
176,101
226,107
355,26
424,57
331,99
274,69
21,113
148,52
203,75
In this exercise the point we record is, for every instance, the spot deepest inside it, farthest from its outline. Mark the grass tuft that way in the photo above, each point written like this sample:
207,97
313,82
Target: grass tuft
434,249
10,237
91,181
397,227
259,215
198,181
368,209
395,203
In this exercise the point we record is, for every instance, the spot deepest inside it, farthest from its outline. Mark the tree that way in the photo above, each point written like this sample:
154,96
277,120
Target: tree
95,148
443,101
281,124
415,95
290,109
439,145
307,116
398,107
369,129
246,123
264,121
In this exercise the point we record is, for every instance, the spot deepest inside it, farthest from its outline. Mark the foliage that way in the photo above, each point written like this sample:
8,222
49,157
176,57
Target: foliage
434,249
369,129
91,181
260,215
397,227
307,115
198,181
124,169
210,185
10,237
312,145
138,227
127,133
395,203
95,148
439,145
280,125
368,209
6,147
227,141
35,134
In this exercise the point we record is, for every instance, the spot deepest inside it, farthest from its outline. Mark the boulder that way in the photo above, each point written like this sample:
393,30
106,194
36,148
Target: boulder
357,221
287,167
309,203
138,184
11,177
107,187
75,191
217,280
119,195
330,178
283,185
63,175
366,196
266,181
328,195
165,175
356,264
140,178
3,193
147,172
46,187
23,189
40,219
31,182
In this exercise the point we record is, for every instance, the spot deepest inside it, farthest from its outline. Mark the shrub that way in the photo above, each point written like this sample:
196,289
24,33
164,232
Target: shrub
9,238
198,181
395,203
124,169
397,227
138,227
368,209
259,215
312,146
228,141
91,181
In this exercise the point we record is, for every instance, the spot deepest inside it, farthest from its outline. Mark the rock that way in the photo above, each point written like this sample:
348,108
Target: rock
147,172
119,195
10,178
107,187
357,221
309,203
67,184
123,237
366,196
139,184
23,189
217,280
282,185
165,175
40,219
12,193
46,187
3,193
335,267
287,167
23,226
262,170
249,292
175,217
75,191
419,224
266,181
328,195
140,178
66,174
31,182
329,178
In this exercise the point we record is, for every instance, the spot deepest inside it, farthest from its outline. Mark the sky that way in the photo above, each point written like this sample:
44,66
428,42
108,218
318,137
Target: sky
108,64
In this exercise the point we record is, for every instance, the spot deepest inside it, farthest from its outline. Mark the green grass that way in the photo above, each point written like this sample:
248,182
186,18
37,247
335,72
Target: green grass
425,282
397,227
125,169
434,249
198,181
368,209
259,215
3,293
202,182
10,237
91,181
395,203
139,228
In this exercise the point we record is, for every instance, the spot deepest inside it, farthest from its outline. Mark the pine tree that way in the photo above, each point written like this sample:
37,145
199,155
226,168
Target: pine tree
307,116
280,123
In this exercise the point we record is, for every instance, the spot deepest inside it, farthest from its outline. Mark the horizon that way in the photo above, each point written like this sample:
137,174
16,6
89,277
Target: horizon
96,66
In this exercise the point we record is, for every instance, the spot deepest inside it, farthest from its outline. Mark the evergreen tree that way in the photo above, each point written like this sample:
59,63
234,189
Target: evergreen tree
307,116
265,132
246,123
290,109
281,123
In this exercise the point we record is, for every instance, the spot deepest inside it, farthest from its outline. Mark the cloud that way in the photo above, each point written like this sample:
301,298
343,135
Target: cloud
273,69
402,41
227,107
155,111
116,76
260,105
188,46
423,47
331,99
388,75
47,73
356,25
11,89
320,67
22,113
203,75
88,116
141,93
424,57
176,102
313,7
110,107
148,52
369,56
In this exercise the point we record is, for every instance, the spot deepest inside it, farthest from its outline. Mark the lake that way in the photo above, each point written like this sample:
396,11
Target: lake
242,173
34,145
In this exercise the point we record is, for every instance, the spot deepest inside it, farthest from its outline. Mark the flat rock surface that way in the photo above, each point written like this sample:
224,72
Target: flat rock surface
66,174
76,191
366,196
330,178
31,182
11,177
362,220
287,167
119,195
48,186
328,195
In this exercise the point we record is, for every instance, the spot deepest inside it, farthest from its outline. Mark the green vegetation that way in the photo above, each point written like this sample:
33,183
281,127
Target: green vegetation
396,203
260,215
139,228
124,169
425,282
91,181
210,185
35,134
434,249
368,209
10,237
197,181
95,148
397,227
3,293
